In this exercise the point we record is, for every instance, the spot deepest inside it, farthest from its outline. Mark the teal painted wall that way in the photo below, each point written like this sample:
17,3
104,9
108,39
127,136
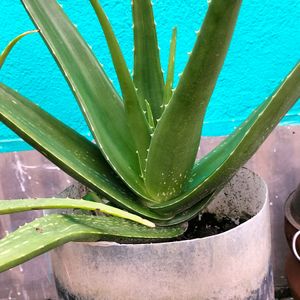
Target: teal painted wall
265,46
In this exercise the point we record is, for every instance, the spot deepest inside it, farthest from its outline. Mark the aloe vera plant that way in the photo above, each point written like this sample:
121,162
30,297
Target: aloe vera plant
146,139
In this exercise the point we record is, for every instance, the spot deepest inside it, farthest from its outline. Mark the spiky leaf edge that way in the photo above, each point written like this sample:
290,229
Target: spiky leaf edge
51,231
212,172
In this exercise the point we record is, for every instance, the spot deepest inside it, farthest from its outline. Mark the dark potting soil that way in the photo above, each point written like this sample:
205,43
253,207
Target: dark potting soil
209,224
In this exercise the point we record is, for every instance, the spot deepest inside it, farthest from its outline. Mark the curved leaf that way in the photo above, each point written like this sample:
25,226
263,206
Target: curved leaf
51,231
66,148
14,206
214,170
135,116
99,101
10,46
189,213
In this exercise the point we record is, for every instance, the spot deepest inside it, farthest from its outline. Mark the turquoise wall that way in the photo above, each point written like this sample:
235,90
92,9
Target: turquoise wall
266,45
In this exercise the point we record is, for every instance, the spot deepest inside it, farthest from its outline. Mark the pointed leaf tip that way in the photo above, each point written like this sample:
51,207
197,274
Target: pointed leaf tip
10,46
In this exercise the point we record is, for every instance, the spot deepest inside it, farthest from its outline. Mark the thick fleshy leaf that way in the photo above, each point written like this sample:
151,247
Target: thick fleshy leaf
189,213
52,231
14,206
99,101
148,77
215,169
176,138
168,92
135,116
150,117
11,45
67,149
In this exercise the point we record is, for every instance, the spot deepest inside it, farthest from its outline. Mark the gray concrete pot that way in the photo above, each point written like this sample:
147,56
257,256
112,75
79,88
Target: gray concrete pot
231,265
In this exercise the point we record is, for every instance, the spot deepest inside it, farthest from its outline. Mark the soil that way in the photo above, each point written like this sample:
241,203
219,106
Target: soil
209,224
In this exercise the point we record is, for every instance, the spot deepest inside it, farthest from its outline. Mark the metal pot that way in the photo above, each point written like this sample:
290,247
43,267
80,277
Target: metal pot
231,265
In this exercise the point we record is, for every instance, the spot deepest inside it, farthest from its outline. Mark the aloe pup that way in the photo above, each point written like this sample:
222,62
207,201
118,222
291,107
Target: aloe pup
144,159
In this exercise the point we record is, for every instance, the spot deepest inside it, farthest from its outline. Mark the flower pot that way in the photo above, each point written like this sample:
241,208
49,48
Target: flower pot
292,232
231,265
292,269
292,222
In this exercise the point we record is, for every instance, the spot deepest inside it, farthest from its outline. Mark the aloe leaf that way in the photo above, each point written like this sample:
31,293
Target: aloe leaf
11,45
215,169
99,101
180,127
171,69
148,77
135,115
188,214
150,116
49,232
94,197
66,148
14,206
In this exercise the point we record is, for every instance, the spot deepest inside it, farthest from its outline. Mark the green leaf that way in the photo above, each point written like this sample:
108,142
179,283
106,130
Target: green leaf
171,69
99,101
94,197
11,45
215,169
14,206
66,148
52,231
150,116
134,113
188,214
148,77
176,139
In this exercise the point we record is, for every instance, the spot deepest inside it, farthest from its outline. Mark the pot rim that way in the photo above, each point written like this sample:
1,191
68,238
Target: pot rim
238,227
288,212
